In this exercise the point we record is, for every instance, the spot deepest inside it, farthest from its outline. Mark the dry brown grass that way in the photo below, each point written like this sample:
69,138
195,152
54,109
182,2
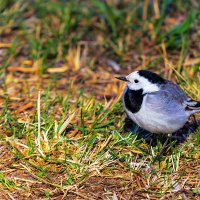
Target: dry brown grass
62,122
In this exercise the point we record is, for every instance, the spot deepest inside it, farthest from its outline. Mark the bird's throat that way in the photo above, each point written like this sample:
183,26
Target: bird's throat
133,100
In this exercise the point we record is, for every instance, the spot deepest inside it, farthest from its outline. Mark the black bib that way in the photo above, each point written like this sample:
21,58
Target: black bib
133,100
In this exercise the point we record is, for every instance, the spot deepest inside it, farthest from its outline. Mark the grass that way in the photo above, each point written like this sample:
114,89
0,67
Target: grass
62,121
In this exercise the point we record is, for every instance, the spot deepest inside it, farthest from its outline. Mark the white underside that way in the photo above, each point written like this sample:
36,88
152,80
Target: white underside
156,121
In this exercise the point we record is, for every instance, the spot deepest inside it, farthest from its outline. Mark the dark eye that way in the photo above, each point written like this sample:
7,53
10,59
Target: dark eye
136,81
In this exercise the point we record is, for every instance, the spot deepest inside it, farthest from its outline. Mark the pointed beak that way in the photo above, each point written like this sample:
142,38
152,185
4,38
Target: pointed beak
122,78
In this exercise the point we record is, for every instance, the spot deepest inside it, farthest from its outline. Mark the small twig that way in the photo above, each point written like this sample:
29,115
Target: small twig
39,120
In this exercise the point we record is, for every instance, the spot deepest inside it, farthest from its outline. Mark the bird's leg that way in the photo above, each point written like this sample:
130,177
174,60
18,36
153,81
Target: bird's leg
162,150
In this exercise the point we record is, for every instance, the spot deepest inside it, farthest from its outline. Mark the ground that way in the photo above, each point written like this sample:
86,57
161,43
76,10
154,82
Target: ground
63,133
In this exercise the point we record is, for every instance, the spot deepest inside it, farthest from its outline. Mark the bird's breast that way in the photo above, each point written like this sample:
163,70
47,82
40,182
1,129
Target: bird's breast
154,120
132,100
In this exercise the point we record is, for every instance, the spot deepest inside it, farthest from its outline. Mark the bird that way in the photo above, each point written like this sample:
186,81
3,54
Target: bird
156,104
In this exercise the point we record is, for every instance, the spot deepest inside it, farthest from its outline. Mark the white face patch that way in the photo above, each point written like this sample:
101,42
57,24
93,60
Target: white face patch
137,82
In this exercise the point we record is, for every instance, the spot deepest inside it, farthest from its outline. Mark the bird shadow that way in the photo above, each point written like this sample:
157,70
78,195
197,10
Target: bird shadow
177,137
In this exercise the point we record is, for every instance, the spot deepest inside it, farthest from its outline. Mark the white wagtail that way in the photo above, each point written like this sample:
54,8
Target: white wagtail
156,104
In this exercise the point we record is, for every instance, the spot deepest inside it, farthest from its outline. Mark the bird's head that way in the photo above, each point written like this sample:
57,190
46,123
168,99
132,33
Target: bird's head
143,79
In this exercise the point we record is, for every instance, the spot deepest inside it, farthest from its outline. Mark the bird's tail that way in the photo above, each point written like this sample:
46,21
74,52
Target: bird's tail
193,106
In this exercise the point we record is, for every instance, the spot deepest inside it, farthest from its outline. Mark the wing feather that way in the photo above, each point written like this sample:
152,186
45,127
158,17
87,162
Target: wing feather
164,101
